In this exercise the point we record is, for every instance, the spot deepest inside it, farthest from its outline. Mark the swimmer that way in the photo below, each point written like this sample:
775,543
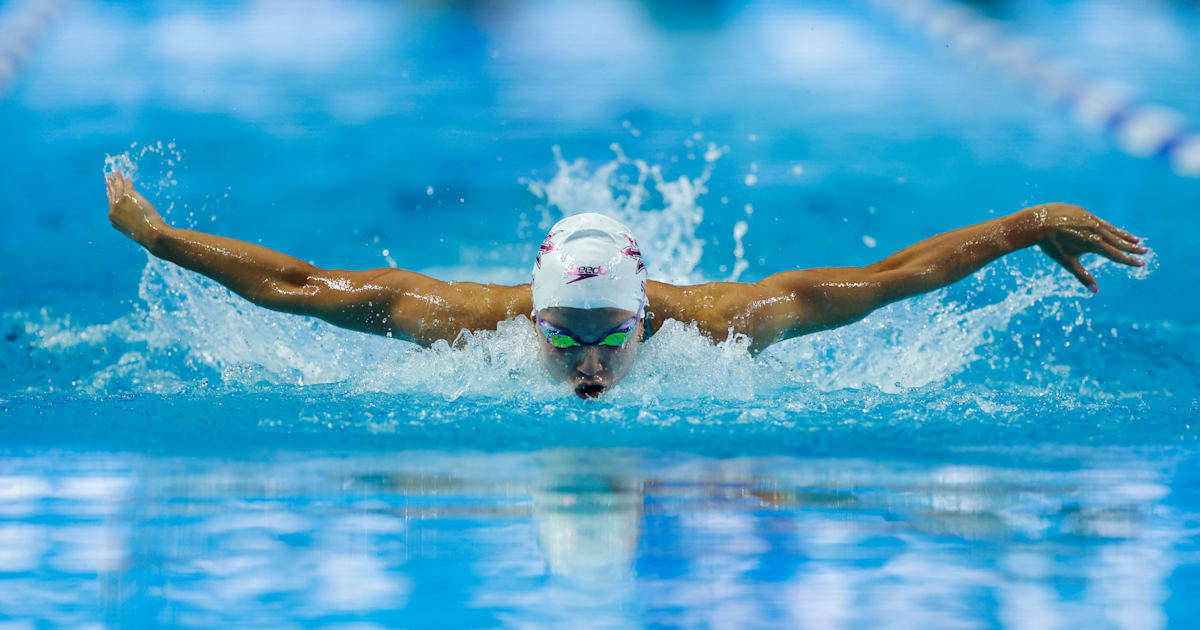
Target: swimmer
589,300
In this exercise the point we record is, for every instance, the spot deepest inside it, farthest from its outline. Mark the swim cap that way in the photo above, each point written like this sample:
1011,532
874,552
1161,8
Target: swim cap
589,261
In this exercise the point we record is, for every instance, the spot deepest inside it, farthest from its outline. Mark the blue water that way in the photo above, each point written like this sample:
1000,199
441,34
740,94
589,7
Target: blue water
1008,452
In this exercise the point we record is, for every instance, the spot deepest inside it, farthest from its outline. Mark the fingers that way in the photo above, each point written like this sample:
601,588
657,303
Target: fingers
1076,268
1071,264
1117,231
118,185
1116,255
133,192
1126,246
1111,247
118,188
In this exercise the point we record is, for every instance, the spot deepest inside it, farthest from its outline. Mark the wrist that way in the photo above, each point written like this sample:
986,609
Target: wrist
154,237
1026,227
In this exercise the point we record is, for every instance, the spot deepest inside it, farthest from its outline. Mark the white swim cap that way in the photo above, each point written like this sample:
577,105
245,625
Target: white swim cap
589,261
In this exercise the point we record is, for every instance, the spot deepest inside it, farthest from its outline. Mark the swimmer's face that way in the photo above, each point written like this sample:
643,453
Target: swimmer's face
590,368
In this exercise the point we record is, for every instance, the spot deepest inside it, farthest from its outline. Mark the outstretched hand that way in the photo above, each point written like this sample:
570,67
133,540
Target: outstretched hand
130,212
1067,232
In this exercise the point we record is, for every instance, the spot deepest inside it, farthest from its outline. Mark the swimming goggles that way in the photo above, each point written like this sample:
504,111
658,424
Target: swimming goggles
562,339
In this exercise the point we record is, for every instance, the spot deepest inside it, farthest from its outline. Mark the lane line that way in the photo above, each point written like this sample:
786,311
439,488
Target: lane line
20,30
1139,129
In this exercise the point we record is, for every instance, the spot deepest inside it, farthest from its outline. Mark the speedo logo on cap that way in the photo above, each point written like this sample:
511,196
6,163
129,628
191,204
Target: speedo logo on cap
583,272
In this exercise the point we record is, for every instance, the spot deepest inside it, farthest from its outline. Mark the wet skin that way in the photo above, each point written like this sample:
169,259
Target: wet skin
415,307
590,368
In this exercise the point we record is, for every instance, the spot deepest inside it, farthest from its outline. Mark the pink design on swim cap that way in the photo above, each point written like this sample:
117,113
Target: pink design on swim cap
546,247
633,252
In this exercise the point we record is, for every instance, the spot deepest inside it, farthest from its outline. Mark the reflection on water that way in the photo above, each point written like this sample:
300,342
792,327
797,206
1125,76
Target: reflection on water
588,519
602,538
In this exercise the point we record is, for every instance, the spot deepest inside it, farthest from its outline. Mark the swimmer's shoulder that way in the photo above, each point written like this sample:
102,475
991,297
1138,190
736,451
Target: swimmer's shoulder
438,309
710,305
511,300
492,303
691,299
716,307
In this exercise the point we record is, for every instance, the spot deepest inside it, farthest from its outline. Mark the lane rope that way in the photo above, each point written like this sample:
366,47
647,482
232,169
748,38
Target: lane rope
1139,129
20,30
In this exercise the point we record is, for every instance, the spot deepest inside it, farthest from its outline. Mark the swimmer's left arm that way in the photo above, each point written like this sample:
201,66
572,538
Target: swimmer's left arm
794,303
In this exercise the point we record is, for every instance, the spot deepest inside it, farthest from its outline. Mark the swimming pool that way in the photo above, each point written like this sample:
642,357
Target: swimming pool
1007,452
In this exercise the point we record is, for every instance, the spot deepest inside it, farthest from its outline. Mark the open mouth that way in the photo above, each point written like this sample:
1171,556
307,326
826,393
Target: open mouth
589,390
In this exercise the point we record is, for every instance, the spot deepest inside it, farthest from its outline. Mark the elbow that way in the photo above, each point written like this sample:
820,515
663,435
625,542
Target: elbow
906,281
869,288
865,283
289,294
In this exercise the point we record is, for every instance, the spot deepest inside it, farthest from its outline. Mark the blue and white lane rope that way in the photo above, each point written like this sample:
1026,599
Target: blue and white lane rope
20,29
1139,129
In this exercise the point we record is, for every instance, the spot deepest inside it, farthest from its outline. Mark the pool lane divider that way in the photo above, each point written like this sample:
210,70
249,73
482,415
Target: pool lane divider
1139,129
21,28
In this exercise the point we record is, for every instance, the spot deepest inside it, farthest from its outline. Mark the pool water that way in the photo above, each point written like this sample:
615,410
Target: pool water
1007,452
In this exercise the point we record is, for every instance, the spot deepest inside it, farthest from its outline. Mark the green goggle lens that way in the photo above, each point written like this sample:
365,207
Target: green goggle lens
559,340
615,339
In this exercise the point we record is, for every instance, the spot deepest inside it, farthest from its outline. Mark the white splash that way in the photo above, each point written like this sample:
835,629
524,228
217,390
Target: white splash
624,189
740,264
931,338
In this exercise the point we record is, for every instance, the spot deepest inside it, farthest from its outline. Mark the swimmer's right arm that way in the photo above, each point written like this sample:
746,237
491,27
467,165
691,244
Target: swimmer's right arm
392,302
794,303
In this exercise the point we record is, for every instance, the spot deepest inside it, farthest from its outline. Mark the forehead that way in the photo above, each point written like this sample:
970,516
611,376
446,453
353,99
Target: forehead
585,321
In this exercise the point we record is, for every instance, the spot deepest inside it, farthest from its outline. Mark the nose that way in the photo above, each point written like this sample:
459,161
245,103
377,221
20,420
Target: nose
589,363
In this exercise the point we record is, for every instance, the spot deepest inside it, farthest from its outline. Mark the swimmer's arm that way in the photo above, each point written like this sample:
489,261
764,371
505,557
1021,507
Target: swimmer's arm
794,303
392,302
